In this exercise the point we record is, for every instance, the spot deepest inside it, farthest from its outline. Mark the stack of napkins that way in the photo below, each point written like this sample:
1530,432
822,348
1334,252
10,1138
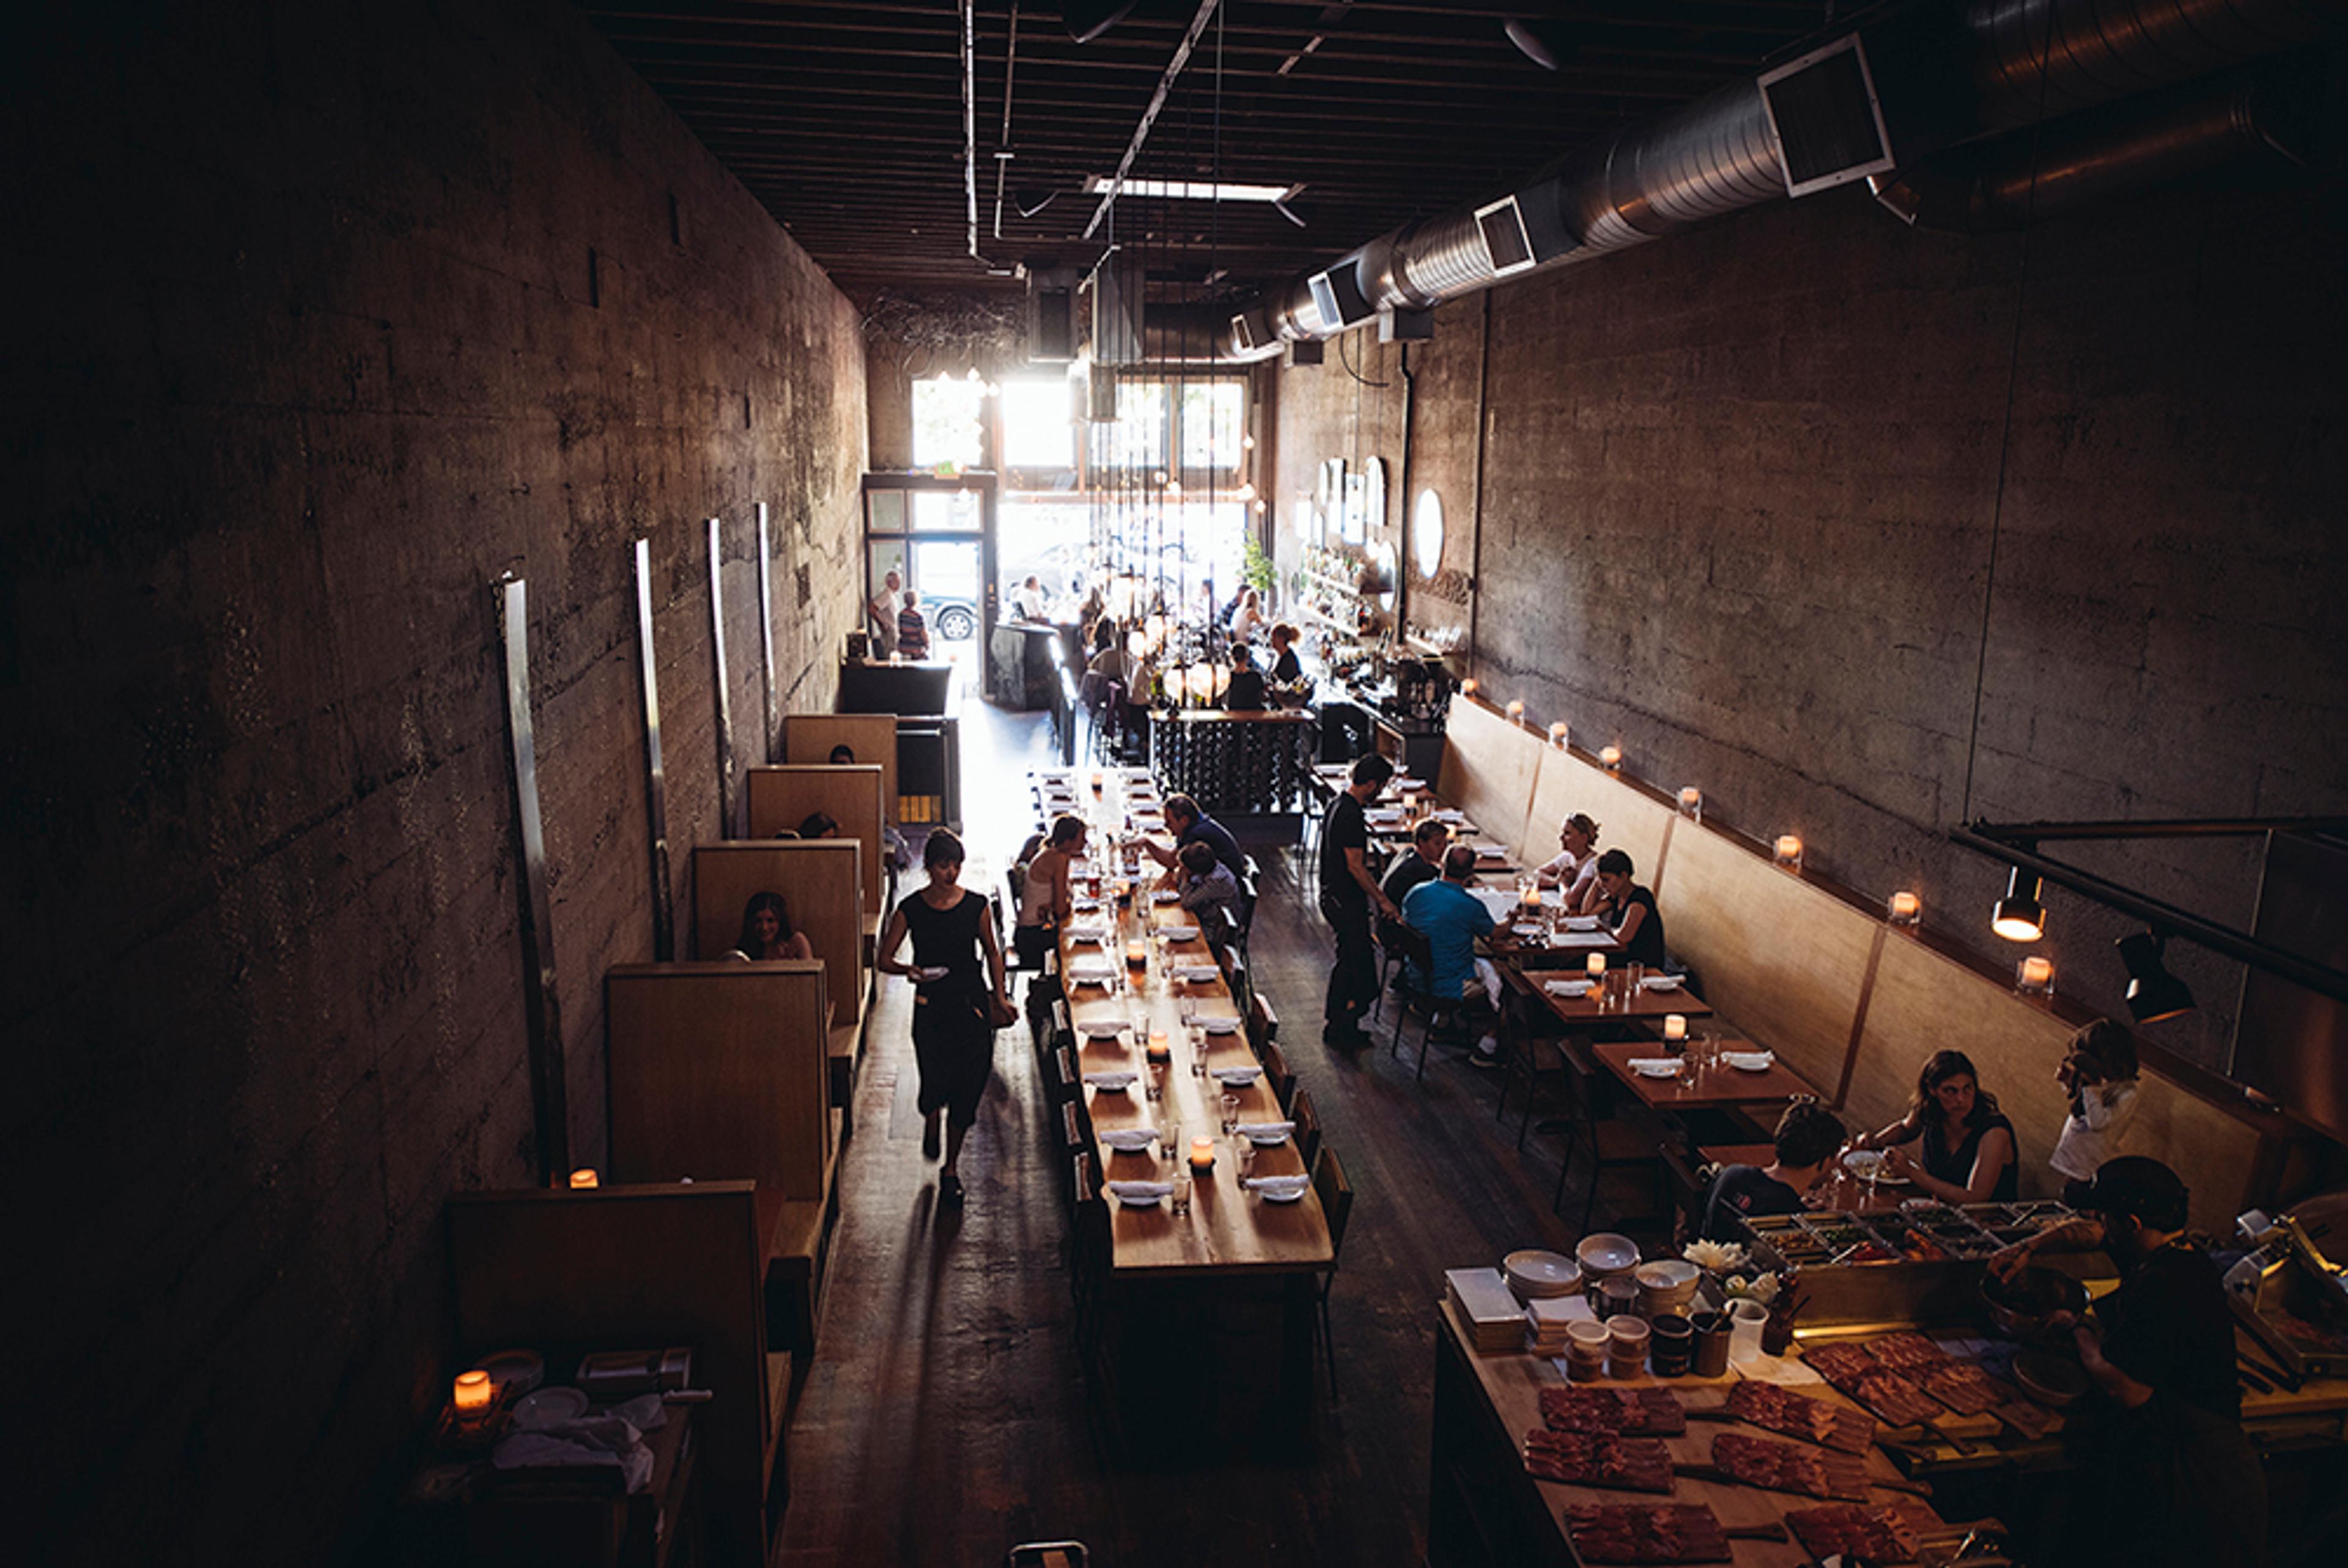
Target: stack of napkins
1545,1321
1495,1320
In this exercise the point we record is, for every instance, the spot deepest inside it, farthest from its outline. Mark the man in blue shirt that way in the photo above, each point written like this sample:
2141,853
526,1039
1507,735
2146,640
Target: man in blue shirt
1190,825
1452,919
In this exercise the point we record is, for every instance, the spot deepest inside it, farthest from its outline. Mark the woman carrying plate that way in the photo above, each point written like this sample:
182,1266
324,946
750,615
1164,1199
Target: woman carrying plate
1965,1148
955,1013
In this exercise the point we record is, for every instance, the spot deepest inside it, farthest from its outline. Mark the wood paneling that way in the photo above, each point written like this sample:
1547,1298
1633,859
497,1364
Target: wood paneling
720,1070
1627,820
784,795
808,738
820,878
1489,769
629,1268
1925,1001
1784,960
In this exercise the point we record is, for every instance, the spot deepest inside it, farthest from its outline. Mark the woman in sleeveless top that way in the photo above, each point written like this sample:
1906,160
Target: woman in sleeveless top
1965,1151
1045,897
958,989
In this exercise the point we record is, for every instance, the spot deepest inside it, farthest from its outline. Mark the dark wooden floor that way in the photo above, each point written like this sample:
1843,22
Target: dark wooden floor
944,1419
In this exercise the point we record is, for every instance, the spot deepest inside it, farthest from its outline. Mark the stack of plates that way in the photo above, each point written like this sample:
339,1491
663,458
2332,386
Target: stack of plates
1546,1322
1495,1323
1603,1255
1668,1285
1542,1275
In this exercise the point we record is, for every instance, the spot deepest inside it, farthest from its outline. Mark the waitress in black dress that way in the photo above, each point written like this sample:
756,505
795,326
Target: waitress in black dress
1965,1148
959,999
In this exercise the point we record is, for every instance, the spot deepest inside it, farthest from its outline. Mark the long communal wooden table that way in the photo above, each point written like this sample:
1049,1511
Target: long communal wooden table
1485,1508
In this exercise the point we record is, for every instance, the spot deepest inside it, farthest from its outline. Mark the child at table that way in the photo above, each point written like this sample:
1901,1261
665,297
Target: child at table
1808,1139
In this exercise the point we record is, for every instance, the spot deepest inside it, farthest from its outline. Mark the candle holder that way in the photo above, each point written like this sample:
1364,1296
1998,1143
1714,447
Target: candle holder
1610,758
2034,977
1517,712
1136,954
583,1177
1596,965
1468,687
1556,734
1203,1155
1674,1026
1905,909
473,1396
1692,803
1789,852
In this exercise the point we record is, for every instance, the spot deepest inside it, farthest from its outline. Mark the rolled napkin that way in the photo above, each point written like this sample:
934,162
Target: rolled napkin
1128,1137
1140,1191
1238,1077
1266,1131
1660,983
1291,1186
1199,974
1087,931
1111,1080
1566,988
1655,1066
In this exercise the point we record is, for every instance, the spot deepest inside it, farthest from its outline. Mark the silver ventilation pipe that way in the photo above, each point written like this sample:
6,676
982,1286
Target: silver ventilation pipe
1945,76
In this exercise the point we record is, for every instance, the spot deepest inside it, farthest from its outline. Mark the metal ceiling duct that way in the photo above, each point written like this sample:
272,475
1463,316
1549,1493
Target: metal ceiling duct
1948,74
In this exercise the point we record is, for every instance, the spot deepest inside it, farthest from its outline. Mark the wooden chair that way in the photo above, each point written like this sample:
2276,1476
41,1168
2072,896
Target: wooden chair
1615,1142
1276,1070
1438,1012
1263,1023
1301,1111
1088,1277
1336,1195
1067,1083
1076,1137
1521,1049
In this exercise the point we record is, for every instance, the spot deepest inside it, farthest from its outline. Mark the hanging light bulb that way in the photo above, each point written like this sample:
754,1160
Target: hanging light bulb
1173,486
1247,443
974,377
1245,492
1261,508
1158,478
2019,916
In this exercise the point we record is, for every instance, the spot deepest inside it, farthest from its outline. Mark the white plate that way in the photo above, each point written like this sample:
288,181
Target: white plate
1582,922
1219,1025
1111,1082
1199,974
1529,930
1141,1200
1237,1077
1130,1138
1166,896
1656,1069
1748,1061
1267,1140
549,1409
1568,988
1666,1275
1283,1194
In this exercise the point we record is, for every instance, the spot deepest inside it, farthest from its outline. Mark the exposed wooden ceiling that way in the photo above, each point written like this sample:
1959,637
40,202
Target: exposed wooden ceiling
847,119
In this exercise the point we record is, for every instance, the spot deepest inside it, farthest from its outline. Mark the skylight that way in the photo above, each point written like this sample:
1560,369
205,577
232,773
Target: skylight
1195,190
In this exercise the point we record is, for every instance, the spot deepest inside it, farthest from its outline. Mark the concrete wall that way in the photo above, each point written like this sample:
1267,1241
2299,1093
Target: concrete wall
310,349
1739,495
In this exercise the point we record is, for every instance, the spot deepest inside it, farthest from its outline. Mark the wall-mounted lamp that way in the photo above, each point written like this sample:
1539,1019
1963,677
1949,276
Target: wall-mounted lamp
2153,993
2019,916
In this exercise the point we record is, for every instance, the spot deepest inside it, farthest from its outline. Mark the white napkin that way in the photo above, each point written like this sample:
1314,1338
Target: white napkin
1219,1025
1748,1061
1128,1137
1102,1028
1582,922
1447,814
1266,1131
1239,1077
1655,1064
1276,1183
1660,983
1177,933
1146,1192
1111,1080
1566,988
1530,928
1166,896
1199,974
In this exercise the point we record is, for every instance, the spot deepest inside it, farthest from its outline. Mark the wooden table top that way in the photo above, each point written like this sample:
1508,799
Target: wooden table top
1721,1085
1229,1230
1646,1007
1512,1384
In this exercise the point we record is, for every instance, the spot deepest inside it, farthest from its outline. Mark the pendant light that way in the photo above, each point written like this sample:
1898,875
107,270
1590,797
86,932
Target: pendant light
2153,993
2019,916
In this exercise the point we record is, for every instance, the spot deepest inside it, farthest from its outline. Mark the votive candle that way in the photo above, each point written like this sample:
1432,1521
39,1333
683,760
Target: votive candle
1137,953
1610,756
1692,801
1468,687
1789,852
584,1177
1202,1153
1159,1049
1597,964
1906,908
1675,1026
2037,974
473,1393
1556,733
1517,710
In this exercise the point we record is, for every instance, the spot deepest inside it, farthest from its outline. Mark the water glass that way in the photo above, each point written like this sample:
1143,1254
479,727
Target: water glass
1156,1094
1169,1143
1231,1104
1181,1199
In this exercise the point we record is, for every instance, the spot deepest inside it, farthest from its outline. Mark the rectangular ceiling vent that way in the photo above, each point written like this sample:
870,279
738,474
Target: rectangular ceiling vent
1337,295
1829,128
1243,335
1503,227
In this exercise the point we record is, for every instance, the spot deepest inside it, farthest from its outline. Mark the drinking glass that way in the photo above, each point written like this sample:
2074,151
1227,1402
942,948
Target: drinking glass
1231,1104
1169,1143
1181,1199
1156,1094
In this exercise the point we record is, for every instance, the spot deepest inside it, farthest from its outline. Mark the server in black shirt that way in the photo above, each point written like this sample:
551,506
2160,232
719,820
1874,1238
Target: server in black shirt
1349,892
2168,1476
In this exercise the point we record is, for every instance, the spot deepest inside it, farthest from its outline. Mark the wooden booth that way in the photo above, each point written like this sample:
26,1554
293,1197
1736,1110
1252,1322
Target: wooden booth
567,1273
721,1071
808,739
822,882
784,794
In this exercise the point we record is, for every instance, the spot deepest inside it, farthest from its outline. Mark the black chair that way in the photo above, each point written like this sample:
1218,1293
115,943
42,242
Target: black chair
1418,954
1633,1139
1520,1048
1336,1195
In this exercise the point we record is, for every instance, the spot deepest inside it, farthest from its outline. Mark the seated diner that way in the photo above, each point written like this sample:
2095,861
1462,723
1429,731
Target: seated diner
1808,1139
1965,1147
1573,871
1453,920
1629,910
767,933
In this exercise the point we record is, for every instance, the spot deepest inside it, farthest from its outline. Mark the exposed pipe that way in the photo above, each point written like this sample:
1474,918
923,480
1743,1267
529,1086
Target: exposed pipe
1149,116
2010,185
2164,915
1944,77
